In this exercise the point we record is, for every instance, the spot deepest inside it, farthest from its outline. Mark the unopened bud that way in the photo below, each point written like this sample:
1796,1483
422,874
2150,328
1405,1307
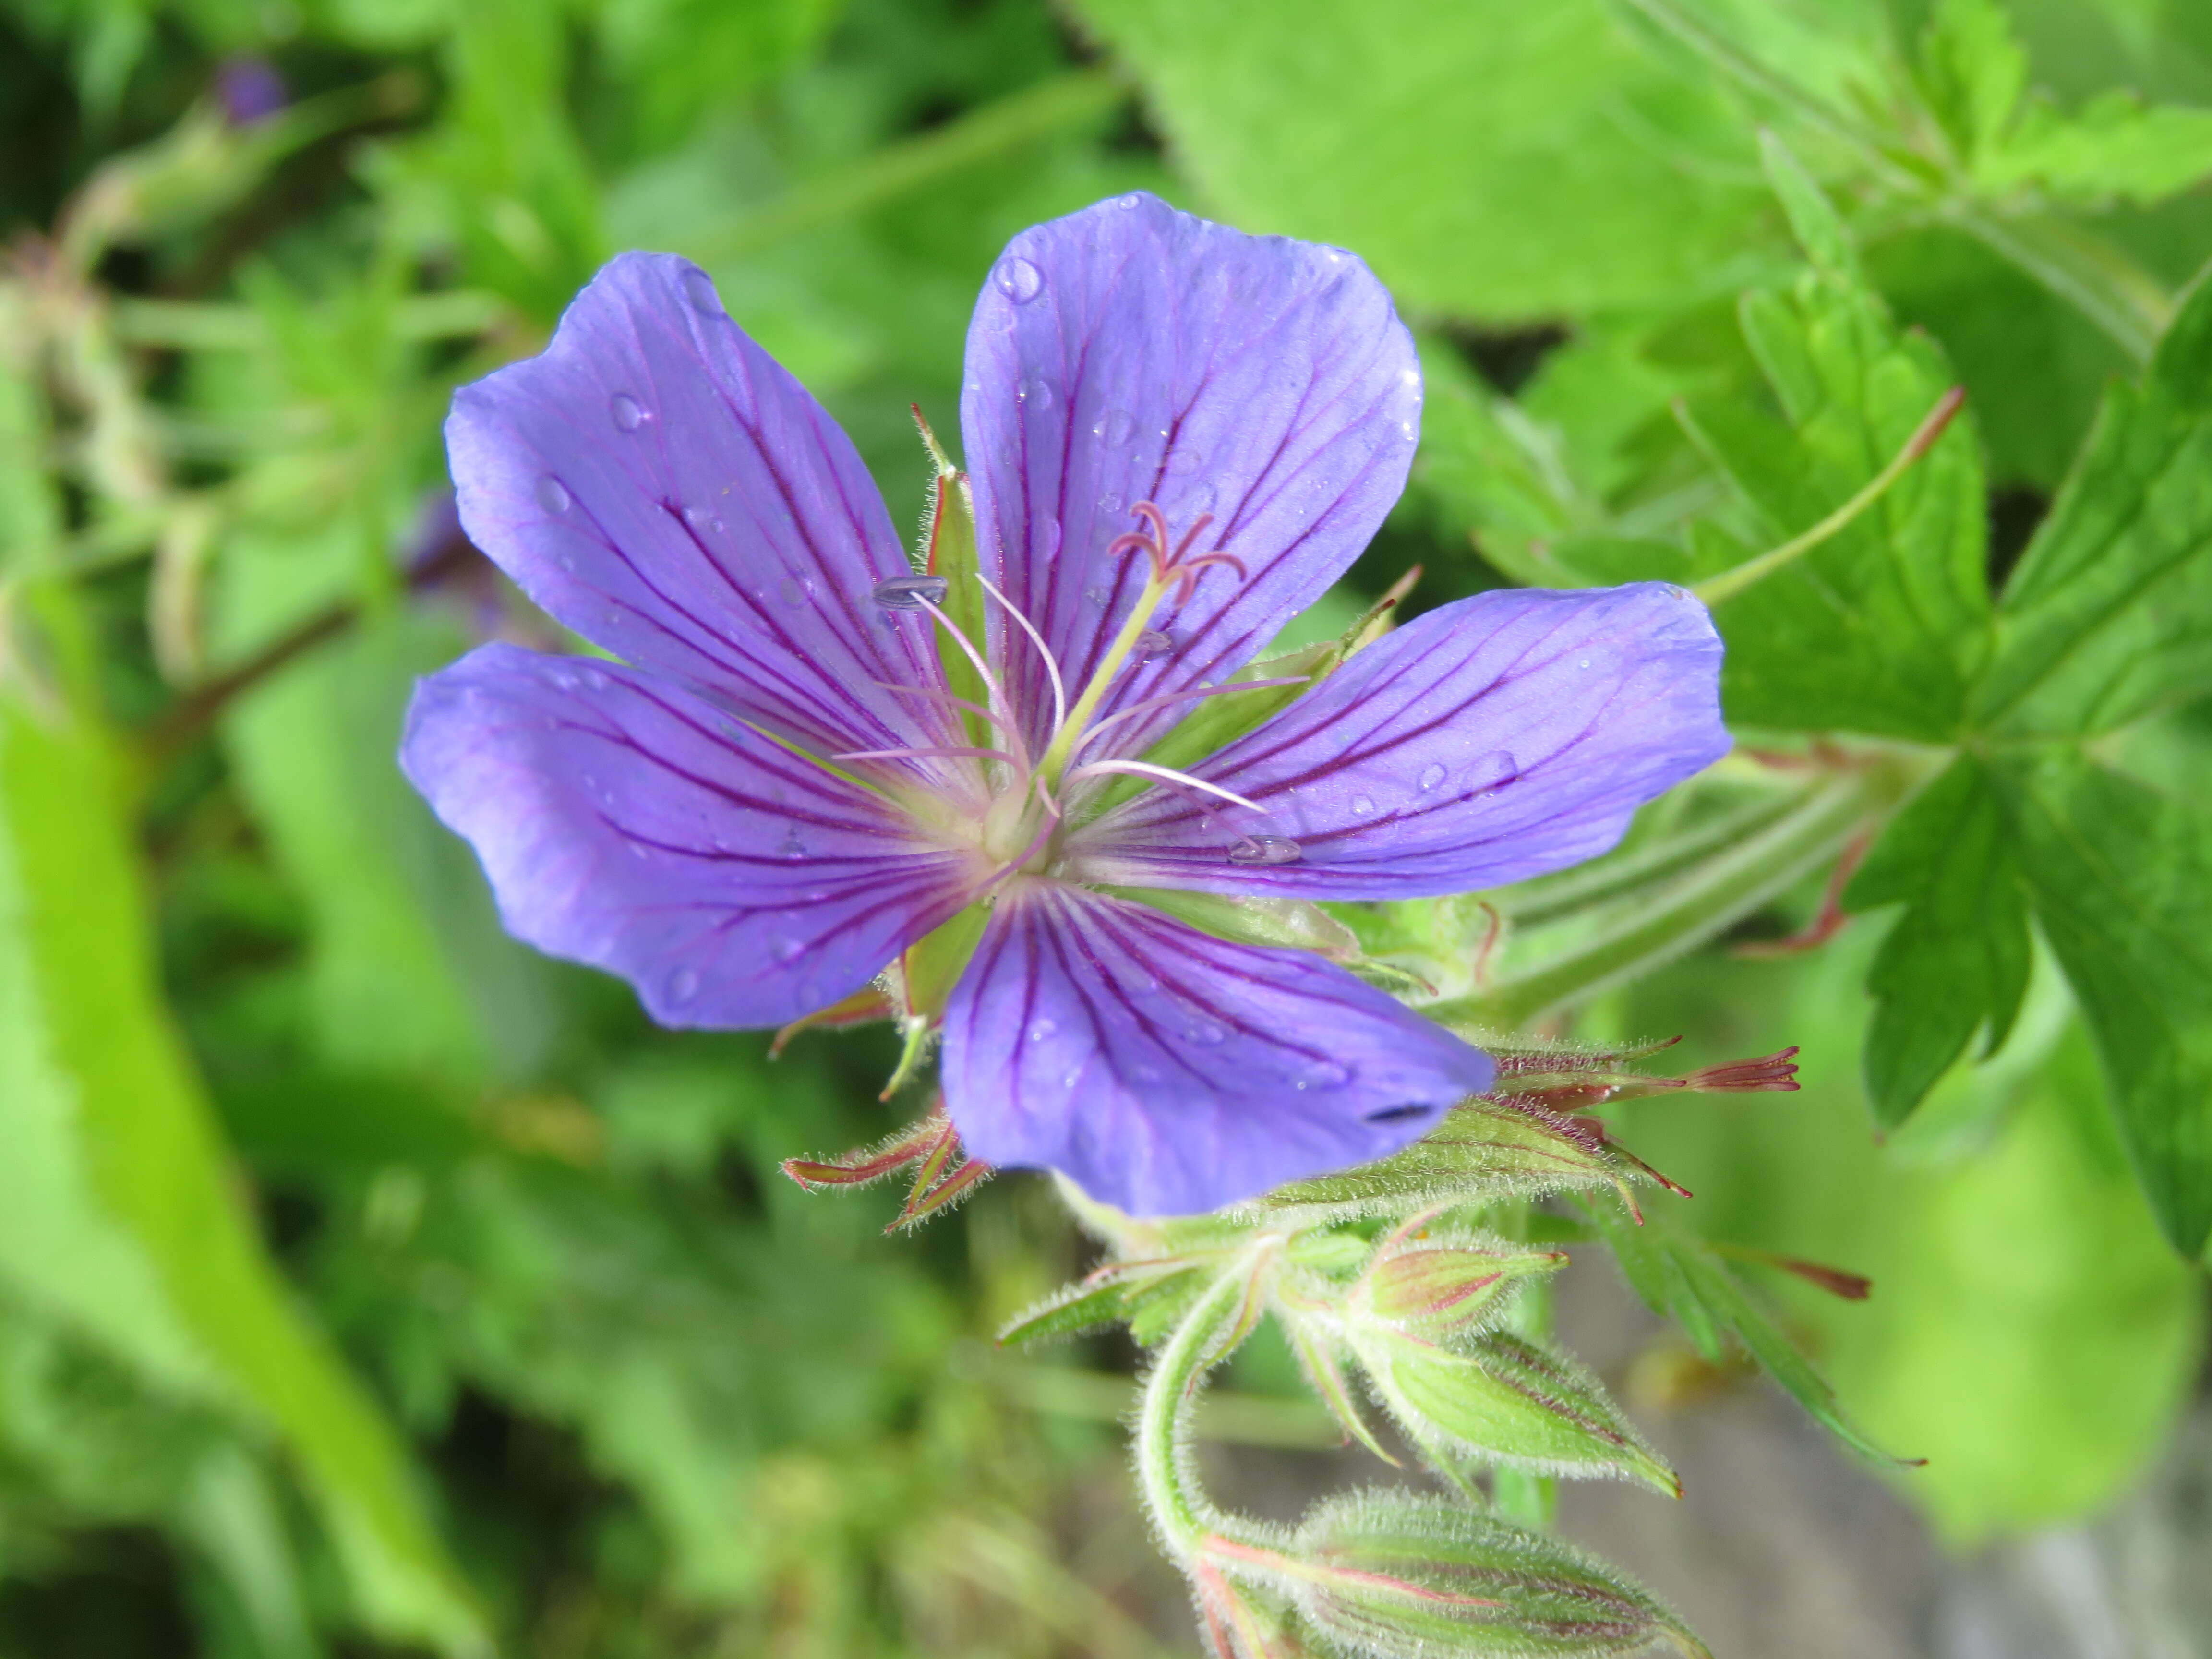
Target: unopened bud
1441,1288
1399,1576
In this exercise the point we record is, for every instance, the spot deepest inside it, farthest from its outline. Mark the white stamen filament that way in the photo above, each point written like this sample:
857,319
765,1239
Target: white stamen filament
925,753
1150,703
1051,668
1164,775
998,692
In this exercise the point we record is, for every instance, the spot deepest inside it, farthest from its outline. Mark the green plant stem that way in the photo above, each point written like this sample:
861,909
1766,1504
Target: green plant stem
1718,590
998,129
1696,907
2124,302
1177,1507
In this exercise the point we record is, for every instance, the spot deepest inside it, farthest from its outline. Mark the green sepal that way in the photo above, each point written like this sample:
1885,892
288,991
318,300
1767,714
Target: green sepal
1483,1152
932,965
949,549
1296,924
1445,1286
1680,1278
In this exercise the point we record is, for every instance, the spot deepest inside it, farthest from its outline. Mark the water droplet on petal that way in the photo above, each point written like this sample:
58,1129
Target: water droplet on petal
1266,850
1041,1029
1204,1033
628,414
1493,771
785,950
1184,462
792,846
1322,1075
792,591
1096,595
1153,642
1034,394
1109,503
698,289
1431,775
1143,1073
911,592
683,985
1135,198
1584,663
1018,279
552,494
1362,805
1114,428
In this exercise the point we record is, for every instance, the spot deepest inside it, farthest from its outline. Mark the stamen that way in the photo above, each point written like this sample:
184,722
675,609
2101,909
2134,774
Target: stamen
1051,668
1164,775
924,753
947,697
1149,704
990,681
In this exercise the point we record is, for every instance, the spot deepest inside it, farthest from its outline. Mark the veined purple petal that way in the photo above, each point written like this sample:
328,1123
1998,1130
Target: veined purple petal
662,487
1167,1072
630,825
1492,739
1131,353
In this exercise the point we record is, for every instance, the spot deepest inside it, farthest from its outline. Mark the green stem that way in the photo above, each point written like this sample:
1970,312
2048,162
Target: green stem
2084,271
1717,894
1178,1508
1000,129
1718,590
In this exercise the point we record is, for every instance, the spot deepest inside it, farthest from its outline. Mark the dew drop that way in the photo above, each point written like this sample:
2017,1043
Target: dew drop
1266,850
1147,1074
1018,279
1184,462
792,591
1051,536
911,592
785,950
1322,1075
1204,1033
1362,805
1114,428
552,494
628,414
1135,198
1034,394
1492,771
683,985
1153,642
792,846
1584,663
1431,775
1399,1114
698,289
1109,503
1096,595
1041,1029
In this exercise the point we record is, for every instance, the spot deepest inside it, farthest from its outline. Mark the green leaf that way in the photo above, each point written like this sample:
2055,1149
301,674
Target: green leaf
2122,881
1973,70
2116,146
118,1213
1881,628
1358,124
409,972
2109,614
1956,961
1679,1278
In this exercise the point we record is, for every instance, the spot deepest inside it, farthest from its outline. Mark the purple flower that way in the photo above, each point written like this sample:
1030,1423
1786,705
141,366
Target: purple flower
1178,437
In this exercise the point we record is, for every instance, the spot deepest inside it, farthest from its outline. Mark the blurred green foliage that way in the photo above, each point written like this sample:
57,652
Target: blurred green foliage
368,1281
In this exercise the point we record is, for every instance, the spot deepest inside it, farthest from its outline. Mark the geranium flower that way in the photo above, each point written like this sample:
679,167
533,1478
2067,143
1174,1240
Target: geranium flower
1178,437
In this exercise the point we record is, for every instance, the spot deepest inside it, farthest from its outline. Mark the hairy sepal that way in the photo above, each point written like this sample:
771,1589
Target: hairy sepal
1484,1151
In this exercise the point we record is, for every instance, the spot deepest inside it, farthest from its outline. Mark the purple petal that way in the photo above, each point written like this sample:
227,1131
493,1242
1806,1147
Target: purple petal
1132,353
1169,1073
627,824
1492,739
659,483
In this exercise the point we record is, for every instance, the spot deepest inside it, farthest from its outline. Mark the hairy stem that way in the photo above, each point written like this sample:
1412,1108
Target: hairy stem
1178,1508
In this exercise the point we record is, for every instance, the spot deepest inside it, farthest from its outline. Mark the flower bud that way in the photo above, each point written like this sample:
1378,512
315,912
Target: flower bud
1443,1288
1399,1576
1503,1398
